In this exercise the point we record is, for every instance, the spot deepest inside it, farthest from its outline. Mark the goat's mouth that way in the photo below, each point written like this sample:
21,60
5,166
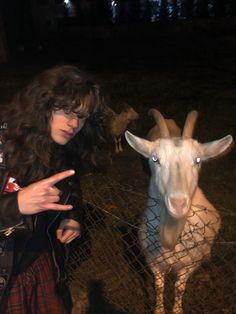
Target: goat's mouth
177,215
178,207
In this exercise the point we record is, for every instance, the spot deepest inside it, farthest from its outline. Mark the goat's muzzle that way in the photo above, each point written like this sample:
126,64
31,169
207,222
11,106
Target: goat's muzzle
178,206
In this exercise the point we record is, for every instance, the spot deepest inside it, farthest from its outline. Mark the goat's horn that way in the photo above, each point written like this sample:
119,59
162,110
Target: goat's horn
160,121
190,124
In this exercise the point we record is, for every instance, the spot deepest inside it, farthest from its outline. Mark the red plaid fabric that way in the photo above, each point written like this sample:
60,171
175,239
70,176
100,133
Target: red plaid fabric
33,291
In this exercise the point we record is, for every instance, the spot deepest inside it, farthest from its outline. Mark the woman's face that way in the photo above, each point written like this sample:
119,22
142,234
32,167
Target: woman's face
64,126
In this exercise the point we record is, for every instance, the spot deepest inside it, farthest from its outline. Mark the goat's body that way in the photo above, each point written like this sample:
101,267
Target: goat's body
179,224
194,244
119,124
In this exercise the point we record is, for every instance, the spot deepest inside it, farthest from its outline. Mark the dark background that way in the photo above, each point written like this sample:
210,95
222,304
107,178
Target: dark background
172,55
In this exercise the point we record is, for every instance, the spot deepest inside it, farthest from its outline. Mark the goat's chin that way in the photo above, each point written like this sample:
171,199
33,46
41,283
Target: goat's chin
176,214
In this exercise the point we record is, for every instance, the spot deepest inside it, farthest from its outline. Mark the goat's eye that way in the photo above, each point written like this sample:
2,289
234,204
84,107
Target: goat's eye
198,161
155,158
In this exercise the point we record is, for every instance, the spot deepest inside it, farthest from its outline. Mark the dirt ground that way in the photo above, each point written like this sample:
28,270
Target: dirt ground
174,73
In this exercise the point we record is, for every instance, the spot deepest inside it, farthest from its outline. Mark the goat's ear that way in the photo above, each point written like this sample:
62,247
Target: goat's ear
217,148
142,146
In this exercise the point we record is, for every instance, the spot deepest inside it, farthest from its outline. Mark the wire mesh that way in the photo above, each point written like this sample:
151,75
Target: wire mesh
109,261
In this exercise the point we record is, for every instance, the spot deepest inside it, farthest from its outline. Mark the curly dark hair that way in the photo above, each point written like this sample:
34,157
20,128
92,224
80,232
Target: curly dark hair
29,150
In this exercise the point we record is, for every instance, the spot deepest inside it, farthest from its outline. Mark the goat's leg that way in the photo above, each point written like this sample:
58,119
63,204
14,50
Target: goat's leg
120,145
116,141
180,286
159,278
80,301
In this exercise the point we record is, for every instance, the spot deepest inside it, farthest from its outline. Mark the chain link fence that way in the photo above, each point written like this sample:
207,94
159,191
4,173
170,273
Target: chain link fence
109,273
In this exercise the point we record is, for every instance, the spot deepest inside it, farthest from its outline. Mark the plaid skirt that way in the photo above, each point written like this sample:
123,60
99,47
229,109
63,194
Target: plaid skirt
34,291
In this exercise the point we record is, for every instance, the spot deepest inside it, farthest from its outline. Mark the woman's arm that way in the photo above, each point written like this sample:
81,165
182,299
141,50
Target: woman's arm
10,217
32,199
70,226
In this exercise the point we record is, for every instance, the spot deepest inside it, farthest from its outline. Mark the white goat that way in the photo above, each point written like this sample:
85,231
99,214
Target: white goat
119,124
179,224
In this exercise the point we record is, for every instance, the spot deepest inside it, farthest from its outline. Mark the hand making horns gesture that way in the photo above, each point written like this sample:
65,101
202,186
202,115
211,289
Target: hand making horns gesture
42,195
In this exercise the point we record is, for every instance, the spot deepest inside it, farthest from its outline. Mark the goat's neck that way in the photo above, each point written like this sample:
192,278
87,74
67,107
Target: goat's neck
199,199
170,228
121,121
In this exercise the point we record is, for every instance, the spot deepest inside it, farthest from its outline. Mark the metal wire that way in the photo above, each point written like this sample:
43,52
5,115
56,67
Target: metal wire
110,254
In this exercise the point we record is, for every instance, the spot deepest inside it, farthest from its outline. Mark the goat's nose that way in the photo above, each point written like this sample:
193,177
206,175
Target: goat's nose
178,203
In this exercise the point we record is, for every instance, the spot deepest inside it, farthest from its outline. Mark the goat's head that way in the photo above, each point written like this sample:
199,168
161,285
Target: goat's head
132,115
175,162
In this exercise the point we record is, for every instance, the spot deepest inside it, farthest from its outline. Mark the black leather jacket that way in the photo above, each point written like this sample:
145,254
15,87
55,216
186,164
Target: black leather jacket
14,225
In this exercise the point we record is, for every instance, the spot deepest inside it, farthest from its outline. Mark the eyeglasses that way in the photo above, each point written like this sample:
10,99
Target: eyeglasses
73,115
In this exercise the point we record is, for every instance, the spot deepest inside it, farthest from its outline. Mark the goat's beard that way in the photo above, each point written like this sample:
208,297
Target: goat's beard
170,230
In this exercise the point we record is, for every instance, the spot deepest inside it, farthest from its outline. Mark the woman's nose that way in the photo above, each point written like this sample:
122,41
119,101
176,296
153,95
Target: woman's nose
74,123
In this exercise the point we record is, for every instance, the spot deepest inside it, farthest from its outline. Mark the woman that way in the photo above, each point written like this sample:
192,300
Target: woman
51,127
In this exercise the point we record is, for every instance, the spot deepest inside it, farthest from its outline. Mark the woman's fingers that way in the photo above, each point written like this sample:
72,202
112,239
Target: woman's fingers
68,230
52,190
42,195
51,181
70,239
55,206
67,236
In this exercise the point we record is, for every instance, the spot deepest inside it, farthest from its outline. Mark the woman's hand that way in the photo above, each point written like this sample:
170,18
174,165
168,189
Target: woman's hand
68,230
42,195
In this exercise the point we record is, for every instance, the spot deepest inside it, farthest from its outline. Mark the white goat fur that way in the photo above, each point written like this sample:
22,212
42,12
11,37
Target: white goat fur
179,224
119,124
